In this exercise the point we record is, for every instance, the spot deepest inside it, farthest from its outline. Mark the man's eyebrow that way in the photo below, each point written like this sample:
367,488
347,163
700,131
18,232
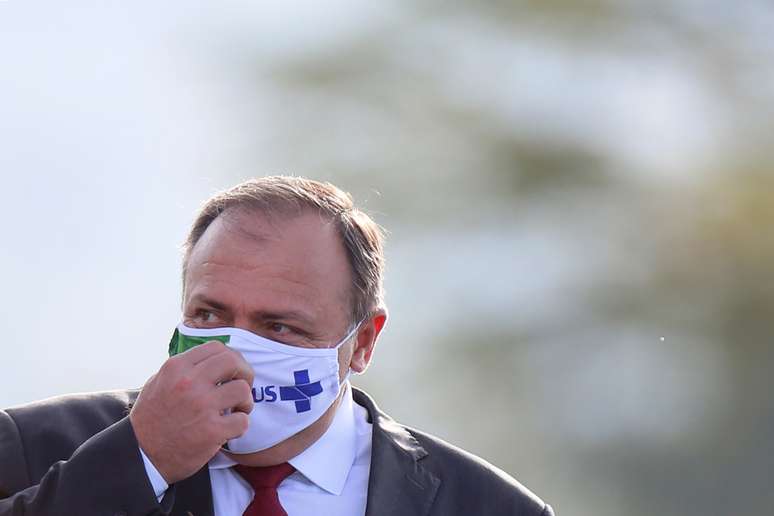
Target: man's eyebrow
202,299
258,315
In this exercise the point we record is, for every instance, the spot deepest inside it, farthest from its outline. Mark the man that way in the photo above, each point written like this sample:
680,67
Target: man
252,413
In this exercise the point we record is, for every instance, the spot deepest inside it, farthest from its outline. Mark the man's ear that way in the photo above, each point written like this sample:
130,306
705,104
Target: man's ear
366,340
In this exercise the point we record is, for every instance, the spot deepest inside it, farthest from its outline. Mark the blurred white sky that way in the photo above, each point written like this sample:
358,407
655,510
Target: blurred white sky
117,120
115,124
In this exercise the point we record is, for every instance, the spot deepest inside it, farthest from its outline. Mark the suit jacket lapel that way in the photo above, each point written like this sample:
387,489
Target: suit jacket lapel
398,484
193,496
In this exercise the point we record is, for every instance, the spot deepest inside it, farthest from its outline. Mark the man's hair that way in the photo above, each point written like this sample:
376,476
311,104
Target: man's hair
287,195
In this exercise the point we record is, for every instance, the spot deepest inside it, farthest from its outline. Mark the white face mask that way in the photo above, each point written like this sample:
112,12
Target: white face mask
293,386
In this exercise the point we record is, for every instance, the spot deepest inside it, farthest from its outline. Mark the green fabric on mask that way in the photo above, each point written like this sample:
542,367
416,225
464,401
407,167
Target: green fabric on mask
181,343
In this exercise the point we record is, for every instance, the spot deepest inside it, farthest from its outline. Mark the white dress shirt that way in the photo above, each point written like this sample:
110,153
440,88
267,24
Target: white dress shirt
331,477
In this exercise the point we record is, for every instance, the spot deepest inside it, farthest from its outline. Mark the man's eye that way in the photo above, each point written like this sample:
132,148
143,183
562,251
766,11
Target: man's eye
286,334
206,316
279,328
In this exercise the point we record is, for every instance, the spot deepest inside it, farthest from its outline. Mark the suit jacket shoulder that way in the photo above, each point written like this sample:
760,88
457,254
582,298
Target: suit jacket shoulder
51,430
441,478
74,454
484,484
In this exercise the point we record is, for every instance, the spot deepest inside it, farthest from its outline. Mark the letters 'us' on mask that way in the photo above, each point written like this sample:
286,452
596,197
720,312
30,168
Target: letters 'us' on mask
293,385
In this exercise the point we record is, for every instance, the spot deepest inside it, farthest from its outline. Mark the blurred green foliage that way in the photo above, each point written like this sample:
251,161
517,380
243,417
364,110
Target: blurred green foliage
634,138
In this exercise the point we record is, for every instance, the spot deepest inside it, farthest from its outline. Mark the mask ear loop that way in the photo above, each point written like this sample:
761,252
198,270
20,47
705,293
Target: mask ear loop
349,335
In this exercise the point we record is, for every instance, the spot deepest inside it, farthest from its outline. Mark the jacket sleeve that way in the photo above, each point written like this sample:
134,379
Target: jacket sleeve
105,476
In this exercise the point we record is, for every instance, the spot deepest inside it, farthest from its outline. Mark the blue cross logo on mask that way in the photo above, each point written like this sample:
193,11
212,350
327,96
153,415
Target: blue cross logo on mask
302,392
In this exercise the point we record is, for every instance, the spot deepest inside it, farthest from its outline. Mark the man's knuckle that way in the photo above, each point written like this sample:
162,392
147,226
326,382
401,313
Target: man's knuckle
182,385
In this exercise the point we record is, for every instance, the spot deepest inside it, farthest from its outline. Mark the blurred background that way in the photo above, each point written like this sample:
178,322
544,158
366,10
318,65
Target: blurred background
579,198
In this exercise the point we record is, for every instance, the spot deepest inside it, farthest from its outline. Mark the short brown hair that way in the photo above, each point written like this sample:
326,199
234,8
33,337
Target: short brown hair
363,238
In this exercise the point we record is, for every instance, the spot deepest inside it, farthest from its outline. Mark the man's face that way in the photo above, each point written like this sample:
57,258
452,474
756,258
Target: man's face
287,280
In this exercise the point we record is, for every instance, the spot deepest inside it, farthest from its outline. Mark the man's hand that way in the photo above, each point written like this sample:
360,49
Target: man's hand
196,402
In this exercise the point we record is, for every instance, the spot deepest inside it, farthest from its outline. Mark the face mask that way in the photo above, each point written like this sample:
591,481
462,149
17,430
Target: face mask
293,386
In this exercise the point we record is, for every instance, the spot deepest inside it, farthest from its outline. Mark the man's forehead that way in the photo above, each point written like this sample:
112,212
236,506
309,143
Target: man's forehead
257,225
263,225
305,247
255,231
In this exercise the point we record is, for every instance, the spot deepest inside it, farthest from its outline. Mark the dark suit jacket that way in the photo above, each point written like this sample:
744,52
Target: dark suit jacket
78,455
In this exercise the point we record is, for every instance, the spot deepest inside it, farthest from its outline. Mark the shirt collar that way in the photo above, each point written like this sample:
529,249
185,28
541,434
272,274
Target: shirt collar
328,460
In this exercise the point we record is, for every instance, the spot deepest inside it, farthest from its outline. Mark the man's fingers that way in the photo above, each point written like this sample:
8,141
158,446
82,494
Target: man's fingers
235,424
221,367
235,395
202,352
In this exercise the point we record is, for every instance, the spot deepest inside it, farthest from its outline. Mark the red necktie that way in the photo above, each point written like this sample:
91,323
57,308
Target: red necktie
264,482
